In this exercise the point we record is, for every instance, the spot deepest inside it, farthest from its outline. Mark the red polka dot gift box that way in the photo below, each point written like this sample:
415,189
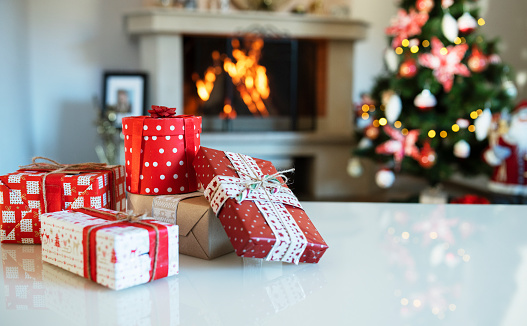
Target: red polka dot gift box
159,152
260,214
114,249
49,187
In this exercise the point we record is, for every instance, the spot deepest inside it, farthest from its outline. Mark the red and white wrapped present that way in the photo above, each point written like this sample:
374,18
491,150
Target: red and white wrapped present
49,187
260,214
159,151
109,247
23,286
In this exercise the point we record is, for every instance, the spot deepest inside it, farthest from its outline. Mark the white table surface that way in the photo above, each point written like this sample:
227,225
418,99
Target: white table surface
387,264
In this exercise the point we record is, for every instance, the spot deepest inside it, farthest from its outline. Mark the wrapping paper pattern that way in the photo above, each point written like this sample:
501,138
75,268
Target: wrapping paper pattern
22,200
159,154
122,258
201,234
87,303
244,224
22,268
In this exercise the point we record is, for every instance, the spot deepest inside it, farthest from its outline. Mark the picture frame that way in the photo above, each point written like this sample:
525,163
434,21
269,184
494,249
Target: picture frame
124,94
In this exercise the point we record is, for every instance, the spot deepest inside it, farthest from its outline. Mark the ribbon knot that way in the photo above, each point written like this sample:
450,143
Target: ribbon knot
268,182
158,111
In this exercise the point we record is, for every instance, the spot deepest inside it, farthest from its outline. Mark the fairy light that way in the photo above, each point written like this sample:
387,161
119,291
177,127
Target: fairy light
404,301
463,40
375,123
382,107
404,132
397,124
431,133
365,108
452,307
481,22
443,134
443,51
414,49
417,303
365,116
405,235
473,115
426,43
457,40
479,112
399,50
405,43
433,235
455,127
471,128
383,121
372,108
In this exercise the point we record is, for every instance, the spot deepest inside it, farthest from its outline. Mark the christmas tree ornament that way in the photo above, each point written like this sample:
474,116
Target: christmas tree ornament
392,107
406,25
428,156
462,149
445,62
449,27
477,61
391,59
372,132
462,123
482,124
424,5
399,145
365,142
445,4
354,167
384,178
510,89
494,59
408,68
466,23
425,100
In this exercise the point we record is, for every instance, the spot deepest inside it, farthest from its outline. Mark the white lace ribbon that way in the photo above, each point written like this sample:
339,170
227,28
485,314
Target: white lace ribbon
269,195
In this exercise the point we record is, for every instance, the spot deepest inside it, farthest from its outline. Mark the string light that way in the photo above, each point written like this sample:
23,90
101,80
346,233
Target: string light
404,301
481,22
365,108
443,51
457,40
471,128
397,124
372,108
443,134
414,49
426,43
399,50
473,114
365,116
479,111
463,40
455,127
431,133
375,123
405,42
383,121
404,132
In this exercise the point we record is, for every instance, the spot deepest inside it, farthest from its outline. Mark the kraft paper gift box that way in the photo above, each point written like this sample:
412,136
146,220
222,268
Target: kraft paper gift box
201,234
109,247
22,268
87,303
42,188
260,214
159,152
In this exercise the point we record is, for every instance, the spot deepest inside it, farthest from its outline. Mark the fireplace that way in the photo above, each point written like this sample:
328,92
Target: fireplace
307,119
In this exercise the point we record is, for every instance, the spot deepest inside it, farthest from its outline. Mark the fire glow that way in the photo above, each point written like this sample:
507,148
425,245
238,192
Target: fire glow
246,74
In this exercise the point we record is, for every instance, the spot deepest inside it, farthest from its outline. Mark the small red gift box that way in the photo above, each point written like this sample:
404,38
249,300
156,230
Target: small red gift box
23,197
159,154
261,216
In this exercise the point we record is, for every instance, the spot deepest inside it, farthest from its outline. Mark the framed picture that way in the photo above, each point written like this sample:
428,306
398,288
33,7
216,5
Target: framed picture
124,93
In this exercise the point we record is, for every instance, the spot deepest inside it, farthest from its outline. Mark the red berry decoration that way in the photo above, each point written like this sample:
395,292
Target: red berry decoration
428,156
408,68
162,112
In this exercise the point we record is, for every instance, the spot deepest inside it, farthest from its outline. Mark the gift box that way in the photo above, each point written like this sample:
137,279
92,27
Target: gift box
22,268
87,303
200,232
108,247
159,154
260,214
48,187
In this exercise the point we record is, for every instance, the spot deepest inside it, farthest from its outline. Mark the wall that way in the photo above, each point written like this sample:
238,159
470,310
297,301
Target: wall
55,51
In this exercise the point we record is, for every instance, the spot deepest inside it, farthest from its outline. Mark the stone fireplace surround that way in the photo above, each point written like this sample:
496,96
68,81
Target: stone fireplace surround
160,32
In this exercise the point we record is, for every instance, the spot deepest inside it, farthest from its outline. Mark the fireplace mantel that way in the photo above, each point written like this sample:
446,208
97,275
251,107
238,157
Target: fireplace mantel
160,32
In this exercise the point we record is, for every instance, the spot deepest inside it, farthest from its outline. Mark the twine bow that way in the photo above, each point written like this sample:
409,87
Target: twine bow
55,167
158,111
269,182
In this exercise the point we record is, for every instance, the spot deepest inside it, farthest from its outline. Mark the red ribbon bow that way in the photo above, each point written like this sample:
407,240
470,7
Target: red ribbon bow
158,111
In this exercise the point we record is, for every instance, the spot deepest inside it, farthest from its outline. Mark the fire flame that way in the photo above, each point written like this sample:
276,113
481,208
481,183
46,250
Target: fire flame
247,75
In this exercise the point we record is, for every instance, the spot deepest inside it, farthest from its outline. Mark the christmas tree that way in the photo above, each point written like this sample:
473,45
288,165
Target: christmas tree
429,113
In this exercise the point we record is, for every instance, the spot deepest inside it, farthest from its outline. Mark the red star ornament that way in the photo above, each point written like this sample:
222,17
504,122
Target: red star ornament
406,25
399,145
445,62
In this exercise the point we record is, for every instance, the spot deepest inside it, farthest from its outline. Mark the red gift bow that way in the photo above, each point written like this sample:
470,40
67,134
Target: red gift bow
470,199
158,235
158,111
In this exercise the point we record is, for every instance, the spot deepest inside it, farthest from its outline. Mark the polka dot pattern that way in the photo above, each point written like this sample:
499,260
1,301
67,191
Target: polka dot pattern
163,145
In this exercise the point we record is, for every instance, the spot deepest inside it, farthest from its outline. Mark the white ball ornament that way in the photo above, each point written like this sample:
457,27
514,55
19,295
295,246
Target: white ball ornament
391,59
393,108
425,100
354,167
482,124
462,149
449,27
384,178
